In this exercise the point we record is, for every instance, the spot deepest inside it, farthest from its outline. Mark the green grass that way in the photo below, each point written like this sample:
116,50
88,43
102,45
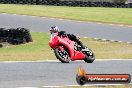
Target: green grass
108,50
95,14
40,50
36,50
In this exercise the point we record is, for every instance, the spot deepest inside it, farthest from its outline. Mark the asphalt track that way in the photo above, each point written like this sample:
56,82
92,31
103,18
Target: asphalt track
36,74
85,29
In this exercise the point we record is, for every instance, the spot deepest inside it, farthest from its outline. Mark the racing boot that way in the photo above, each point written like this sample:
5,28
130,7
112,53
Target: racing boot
85,49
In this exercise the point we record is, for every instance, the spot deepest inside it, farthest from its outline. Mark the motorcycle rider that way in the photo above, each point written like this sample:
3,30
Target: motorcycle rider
72,37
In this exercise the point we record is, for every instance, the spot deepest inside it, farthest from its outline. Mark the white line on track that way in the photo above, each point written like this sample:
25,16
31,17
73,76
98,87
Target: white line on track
99,23
26,87
111,24
120,41
97,85
110,40
121,25
85,37
104,39
52,86
59,61
87,85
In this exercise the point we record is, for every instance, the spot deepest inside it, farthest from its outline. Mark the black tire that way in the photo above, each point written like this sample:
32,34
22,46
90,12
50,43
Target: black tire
89,58
58,56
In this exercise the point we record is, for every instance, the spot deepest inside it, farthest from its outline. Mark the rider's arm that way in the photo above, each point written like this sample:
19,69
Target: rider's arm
60,33
70,36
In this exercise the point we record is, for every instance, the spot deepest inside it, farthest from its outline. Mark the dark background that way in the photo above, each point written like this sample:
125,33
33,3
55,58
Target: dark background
81,3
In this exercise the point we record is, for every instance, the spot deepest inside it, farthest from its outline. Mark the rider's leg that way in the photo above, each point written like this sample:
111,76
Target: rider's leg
81,44
75,39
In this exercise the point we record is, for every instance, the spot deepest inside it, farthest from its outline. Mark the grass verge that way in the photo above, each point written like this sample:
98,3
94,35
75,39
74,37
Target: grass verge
40,50
95,14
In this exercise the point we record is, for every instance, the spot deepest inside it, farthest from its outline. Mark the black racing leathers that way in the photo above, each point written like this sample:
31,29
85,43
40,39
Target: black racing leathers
72,37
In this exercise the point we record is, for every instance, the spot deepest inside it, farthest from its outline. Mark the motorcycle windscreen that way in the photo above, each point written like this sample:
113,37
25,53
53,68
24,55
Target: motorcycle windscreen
53,40
52,36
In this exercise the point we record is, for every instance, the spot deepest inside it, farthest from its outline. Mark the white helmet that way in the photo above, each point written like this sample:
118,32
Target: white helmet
54,29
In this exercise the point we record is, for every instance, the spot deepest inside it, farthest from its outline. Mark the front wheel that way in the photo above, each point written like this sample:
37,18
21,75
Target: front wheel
89,56
63,56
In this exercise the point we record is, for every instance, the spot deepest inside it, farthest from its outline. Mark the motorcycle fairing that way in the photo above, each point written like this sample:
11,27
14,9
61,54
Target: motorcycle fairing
75,55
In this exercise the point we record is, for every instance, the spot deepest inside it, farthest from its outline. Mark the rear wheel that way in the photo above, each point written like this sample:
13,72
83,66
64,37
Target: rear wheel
63,56
89,56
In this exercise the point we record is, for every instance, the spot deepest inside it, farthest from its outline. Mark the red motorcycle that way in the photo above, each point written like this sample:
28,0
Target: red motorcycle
66,50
